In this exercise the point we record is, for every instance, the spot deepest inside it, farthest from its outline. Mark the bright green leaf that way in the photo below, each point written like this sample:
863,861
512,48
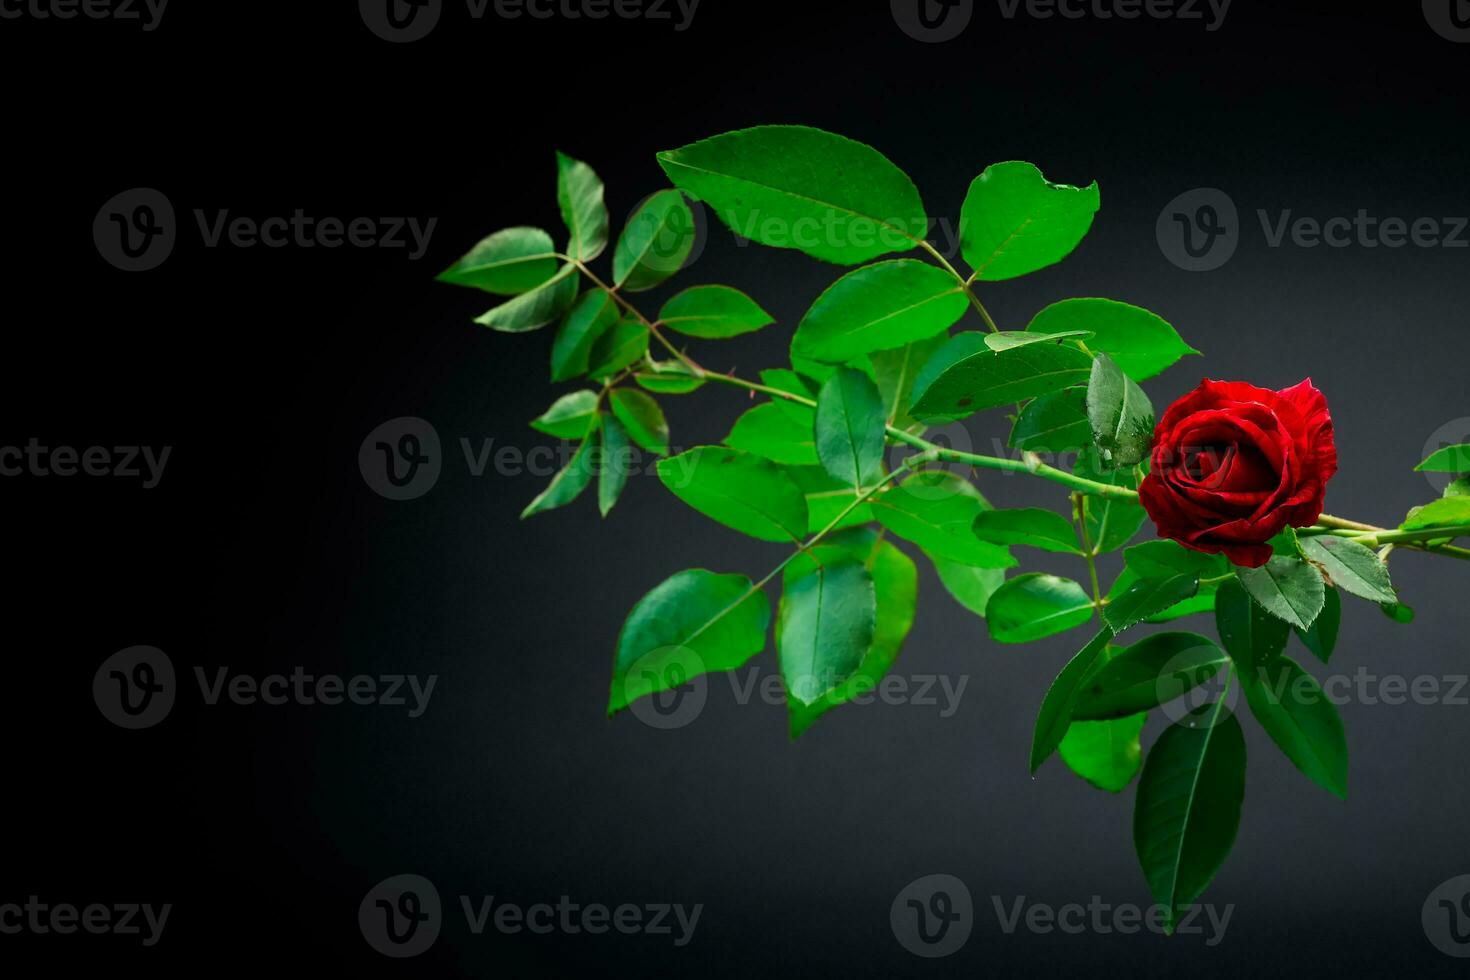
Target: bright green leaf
767,430
824,627
850,428
971,587
1450,459
741,491
508,262
1353,567
568,484
1142,343
713,313
569,417
1015,221
1032,526
1287,588
1054,423
1034,605
579,194
1121,415
642,417
593,314
1105,753
935,509
894,371
536,308
981,378
879,307
655,243
826,499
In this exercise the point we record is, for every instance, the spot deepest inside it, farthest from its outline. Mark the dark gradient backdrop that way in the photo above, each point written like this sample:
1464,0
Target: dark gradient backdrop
262,549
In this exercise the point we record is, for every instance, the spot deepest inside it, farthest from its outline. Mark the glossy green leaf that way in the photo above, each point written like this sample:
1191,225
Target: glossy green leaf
1321,638
1031,526
825,626
1398,612
850,428
620,347
879,307
1107,754
982,378
694,622
713,313
1009,339
1054,423
1450,459
767,430
508,262
1111,522
1458,487
1154,671
1353,567
1061,698
971,587
1287,588
935,509
593,314
1294,710
1152,559
614,464
642,417
1143,344
668,378
1446,510
894,371
536,308
826,499
579,194
896,588
1251,634
1121,415
569,483
789,381
1187,809
569,417
741,491
1015,221
1034,605
1147,596
654,245
803,188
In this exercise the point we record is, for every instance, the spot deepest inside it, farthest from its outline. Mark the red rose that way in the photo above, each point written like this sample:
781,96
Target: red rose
1234,464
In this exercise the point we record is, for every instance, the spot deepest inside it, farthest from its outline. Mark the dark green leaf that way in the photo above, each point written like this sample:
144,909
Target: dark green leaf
1295,712
508,262
1154,671
750,494
1031,606
981,378
568,484
849,428
614,465
1121,415
1287,588
1032,526
1055,423
825,626
579,194
1148,596
803,188
1141,343
1015,221
694,622
655,243
1321,639
618,348
1251,635
594,313
879,307
894,371
826,499
536,308
642,417
1352,567
1056,708
713,312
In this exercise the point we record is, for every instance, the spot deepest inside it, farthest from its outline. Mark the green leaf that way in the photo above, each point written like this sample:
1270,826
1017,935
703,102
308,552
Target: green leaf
1032,526
1446,510
826,498
1154,671
741,491
971,587
1008,339
1450,459
508,262
579,194
1353,567
617,348
1294,710
1056,708
655,243
896,587
935,510
1143,344
1034,605
1187,809
1054,423
767,430
568,484
668,378
614,465
1111,522
894,371
1251,635
642,417
1121,415
713,313
972,377
825,625
594,314
1321,638
879,307
1398,612
570,416
1459,487
1015,221
797,187
1105,753
849,428
535,309
1153,559
789,381
1287,588
1148,596
694,622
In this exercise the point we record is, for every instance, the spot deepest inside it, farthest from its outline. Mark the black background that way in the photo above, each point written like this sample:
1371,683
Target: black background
262,549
